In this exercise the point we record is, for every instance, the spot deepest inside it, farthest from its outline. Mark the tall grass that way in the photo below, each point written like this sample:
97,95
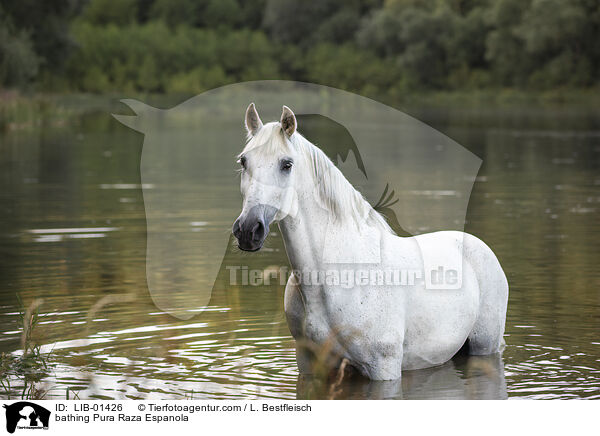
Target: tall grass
21,372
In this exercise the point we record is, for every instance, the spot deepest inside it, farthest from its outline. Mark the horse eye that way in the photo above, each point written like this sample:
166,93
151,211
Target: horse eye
286,165
242,162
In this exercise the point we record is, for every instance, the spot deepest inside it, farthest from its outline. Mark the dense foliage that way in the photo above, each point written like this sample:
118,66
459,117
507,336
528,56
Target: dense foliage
368,46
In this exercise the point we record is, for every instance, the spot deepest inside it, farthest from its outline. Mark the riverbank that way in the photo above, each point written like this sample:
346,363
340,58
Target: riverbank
20,111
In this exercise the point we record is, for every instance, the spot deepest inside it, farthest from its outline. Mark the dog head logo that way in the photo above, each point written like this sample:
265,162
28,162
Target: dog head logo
26,415
188,168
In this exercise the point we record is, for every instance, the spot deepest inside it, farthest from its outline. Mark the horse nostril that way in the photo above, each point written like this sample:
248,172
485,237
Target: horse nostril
237,231
258,231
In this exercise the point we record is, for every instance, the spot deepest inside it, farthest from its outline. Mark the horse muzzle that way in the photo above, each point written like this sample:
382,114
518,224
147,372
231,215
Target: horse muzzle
251,229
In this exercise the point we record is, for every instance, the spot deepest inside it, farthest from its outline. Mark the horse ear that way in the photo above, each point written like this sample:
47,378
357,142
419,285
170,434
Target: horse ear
288,121
253,122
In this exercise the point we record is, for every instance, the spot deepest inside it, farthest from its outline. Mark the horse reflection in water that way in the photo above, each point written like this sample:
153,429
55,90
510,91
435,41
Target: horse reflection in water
462,378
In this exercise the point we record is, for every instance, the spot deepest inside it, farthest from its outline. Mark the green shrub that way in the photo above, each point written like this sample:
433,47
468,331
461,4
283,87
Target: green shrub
18,61
198,80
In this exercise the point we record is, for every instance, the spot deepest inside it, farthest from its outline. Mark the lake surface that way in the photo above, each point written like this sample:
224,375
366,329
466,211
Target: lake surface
73,234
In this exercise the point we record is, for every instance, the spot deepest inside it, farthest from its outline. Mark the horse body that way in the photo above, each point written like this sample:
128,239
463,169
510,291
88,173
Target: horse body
380,328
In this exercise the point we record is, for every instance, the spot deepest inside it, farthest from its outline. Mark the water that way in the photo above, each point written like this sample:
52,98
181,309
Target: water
73,233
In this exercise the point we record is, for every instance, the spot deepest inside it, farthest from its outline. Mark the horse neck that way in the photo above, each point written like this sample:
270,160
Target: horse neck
304,234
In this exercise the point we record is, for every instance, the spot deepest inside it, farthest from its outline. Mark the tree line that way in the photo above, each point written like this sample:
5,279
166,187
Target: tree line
369,46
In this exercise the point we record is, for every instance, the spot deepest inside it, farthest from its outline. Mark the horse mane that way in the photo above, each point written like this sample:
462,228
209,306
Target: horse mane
335,192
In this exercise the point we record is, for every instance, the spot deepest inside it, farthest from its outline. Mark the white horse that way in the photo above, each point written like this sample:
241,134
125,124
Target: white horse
329,228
